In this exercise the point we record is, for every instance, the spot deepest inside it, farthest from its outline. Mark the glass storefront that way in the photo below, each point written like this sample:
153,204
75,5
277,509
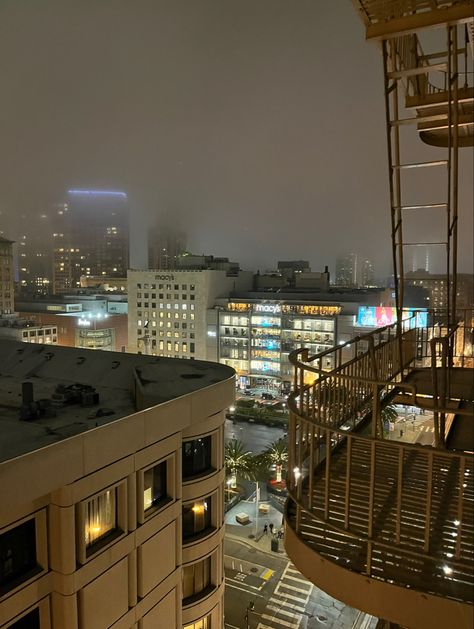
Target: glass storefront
256,339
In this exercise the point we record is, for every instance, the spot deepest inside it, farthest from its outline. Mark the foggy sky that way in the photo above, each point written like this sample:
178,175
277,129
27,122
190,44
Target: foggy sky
259,122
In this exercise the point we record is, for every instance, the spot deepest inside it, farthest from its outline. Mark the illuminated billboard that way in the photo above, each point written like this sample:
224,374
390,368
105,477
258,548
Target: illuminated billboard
380,316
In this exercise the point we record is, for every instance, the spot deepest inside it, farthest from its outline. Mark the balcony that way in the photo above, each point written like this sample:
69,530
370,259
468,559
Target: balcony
386,526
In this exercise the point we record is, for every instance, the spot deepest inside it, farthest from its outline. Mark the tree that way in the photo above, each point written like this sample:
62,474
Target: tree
237,460
277,454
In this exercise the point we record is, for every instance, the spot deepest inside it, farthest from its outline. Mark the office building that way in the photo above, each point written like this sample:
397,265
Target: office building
165,244
170,313
112,490
7,287
437,286
27,330
367,273
346,270
91,237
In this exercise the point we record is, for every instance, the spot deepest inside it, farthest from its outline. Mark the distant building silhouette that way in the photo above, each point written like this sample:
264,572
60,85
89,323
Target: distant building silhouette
91,237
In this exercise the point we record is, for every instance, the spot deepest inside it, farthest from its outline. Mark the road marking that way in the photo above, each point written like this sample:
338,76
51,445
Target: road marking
288,576
294,588
285,623
291,597
280,610
286,603
236,587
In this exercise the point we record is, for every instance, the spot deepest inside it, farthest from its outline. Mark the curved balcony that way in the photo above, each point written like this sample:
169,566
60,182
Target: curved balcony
385,526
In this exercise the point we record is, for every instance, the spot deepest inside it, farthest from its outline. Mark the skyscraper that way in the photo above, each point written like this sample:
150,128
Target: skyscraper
6,276
91,237
367,274
165,244
346,270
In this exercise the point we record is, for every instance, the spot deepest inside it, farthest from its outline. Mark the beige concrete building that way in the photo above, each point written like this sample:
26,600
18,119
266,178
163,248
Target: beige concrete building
170,313
111,481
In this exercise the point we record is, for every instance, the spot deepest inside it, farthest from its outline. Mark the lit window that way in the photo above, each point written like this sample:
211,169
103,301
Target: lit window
154,487
202,623
100,521
196,518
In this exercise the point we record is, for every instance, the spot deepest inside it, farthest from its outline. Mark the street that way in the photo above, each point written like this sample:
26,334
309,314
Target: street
265,591
255,437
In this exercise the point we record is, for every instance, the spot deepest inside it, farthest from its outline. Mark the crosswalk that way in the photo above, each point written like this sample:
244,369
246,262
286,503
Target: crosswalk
285,609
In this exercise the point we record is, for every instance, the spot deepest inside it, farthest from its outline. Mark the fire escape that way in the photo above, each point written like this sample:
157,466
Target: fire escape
385,525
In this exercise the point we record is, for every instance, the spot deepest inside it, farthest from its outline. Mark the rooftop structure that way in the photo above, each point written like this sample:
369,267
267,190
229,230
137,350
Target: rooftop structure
112,489
381,523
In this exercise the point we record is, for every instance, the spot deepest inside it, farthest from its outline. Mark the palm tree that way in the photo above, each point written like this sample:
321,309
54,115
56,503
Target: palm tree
277,454
237,460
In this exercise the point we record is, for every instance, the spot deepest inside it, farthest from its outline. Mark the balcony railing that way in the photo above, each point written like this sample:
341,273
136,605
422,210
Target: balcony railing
397,512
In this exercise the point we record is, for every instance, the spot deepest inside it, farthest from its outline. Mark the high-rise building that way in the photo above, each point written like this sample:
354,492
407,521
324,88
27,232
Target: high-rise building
7,287
367,273
91,237
437,287
165,244
34,250
112,492
346,270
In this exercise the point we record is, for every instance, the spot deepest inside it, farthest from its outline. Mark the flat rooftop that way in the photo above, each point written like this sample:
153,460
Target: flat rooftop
56,371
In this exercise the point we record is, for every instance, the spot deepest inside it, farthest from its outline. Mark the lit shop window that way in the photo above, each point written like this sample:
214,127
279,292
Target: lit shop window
154,487
100,519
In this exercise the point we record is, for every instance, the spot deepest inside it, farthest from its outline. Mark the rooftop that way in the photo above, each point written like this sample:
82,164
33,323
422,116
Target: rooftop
65,380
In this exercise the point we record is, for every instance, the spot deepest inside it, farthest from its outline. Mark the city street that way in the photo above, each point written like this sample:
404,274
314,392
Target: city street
255,437
265,591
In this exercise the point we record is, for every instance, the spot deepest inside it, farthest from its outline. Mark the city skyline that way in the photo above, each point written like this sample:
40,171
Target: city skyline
216,113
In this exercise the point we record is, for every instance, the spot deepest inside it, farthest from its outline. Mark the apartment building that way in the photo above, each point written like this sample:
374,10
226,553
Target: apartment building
111,492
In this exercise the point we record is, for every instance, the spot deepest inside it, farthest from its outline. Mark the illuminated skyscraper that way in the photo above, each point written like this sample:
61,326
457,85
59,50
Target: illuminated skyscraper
91,237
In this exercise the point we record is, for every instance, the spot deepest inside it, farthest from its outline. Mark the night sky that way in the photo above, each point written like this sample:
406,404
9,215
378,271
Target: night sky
260,123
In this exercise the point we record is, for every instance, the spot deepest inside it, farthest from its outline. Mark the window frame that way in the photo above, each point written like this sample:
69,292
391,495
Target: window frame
196,596
209,530
145,515
85,554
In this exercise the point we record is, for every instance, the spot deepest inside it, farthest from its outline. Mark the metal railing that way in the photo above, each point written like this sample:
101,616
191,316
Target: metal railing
412,515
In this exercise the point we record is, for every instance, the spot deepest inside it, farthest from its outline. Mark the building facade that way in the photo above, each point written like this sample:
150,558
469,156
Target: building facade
93,321
346,270
165,245
436,285
124,523
255,338
171,312
7,287
91,238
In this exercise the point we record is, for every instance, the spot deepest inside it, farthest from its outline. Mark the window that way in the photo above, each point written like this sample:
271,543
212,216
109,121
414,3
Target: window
196,579
154,486
196,518
196,456
18,555
202,623
100,521
29,621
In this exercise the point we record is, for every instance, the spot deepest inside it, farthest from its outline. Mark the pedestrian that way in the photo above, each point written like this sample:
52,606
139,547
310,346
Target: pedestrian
280,534
265,529
271,528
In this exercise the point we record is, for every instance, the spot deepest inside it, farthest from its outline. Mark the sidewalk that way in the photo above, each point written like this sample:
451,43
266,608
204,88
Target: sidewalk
246,532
